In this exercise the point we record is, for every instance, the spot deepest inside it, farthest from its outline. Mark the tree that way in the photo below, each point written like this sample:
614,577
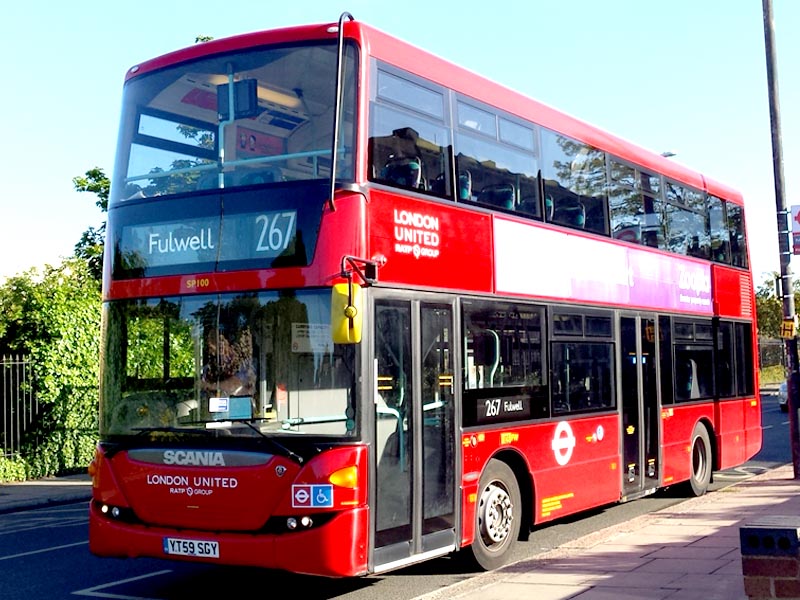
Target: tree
769,307
92,243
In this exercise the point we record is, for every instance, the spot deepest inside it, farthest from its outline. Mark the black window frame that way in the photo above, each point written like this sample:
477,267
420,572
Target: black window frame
592,392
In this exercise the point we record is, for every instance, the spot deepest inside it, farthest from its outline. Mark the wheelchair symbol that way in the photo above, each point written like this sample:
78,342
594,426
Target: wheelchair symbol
323,495
316,496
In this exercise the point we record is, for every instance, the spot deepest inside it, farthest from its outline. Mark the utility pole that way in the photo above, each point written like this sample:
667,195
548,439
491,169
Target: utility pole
784,233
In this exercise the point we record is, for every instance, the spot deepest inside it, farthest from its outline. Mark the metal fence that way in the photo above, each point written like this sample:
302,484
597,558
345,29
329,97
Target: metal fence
19,406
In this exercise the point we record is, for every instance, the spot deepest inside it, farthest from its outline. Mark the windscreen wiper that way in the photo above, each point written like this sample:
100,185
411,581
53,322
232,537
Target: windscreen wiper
271,440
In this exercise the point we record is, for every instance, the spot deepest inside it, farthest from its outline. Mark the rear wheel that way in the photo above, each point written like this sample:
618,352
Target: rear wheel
497,516
701,461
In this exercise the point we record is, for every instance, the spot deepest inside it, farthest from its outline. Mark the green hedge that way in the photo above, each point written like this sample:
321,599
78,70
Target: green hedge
53,317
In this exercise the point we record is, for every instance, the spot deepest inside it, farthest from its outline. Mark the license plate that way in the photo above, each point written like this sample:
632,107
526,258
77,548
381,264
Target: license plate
198,548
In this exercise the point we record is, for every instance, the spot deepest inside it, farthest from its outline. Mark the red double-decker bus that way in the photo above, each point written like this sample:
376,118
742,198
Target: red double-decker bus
363,308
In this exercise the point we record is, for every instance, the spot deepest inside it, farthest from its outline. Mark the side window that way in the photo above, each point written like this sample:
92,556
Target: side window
408,141
634,198
720,234
581,361
574,183
745,377
737,233
734,359
700,244
625,202
496,162
725,360
686,219
503,370
693,359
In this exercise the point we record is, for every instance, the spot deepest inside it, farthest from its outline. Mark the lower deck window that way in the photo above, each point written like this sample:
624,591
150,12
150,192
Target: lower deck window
582,376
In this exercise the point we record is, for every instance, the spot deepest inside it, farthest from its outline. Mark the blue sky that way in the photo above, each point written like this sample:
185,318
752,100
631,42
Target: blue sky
686,76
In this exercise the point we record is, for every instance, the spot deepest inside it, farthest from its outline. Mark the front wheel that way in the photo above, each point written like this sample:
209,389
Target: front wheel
702,463
497,516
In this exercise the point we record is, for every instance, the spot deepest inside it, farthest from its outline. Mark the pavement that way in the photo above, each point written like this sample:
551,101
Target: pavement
44,492
688,551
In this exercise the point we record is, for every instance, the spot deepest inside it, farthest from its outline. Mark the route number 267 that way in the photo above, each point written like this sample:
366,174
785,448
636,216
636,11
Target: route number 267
277,230
492,407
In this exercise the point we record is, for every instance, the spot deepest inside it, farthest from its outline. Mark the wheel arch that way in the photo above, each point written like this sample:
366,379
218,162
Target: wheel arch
516,461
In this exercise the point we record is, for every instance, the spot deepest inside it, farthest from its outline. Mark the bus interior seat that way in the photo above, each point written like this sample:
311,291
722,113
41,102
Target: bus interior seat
570,212
404,171
464,190
501,195
465,185
439,185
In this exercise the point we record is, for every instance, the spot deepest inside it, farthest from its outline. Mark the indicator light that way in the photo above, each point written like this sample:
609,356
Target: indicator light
347,477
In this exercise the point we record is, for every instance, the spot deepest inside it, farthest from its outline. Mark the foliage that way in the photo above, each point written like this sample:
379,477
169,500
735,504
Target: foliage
54,318
90,247
12,469
769,307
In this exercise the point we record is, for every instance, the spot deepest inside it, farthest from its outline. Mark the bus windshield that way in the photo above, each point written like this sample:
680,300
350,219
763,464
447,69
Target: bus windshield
253,117
238,365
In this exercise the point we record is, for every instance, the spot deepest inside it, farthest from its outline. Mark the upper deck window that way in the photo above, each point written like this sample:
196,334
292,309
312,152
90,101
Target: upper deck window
574,183
635,206
720,234
686,218
735,215
178,133
408,138
516,134
496,161
410,95
477,120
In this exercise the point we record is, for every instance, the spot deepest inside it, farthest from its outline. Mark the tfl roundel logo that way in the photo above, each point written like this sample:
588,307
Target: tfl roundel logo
312,496
563,443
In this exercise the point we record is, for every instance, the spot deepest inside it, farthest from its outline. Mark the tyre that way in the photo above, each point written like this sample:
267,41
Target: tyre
701,461
497,516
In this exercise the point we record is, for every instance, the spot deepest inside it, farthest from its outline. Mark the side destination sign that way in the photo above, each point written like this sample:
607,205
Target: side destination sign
237,237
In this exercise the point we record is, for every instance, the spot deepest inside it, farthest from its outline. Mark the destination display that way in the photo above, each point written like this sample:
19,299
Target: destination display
504,408
261,235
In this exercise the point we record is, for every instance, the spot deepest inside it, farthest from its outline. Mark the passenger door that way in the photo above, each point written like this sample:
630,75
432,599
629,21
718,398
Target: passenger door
415,443
640,404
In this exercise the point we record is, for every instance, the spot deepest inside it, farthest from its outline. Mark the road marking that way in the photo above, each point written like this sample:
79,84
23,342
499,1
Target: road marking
17,527
739,473
92,591
51,549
